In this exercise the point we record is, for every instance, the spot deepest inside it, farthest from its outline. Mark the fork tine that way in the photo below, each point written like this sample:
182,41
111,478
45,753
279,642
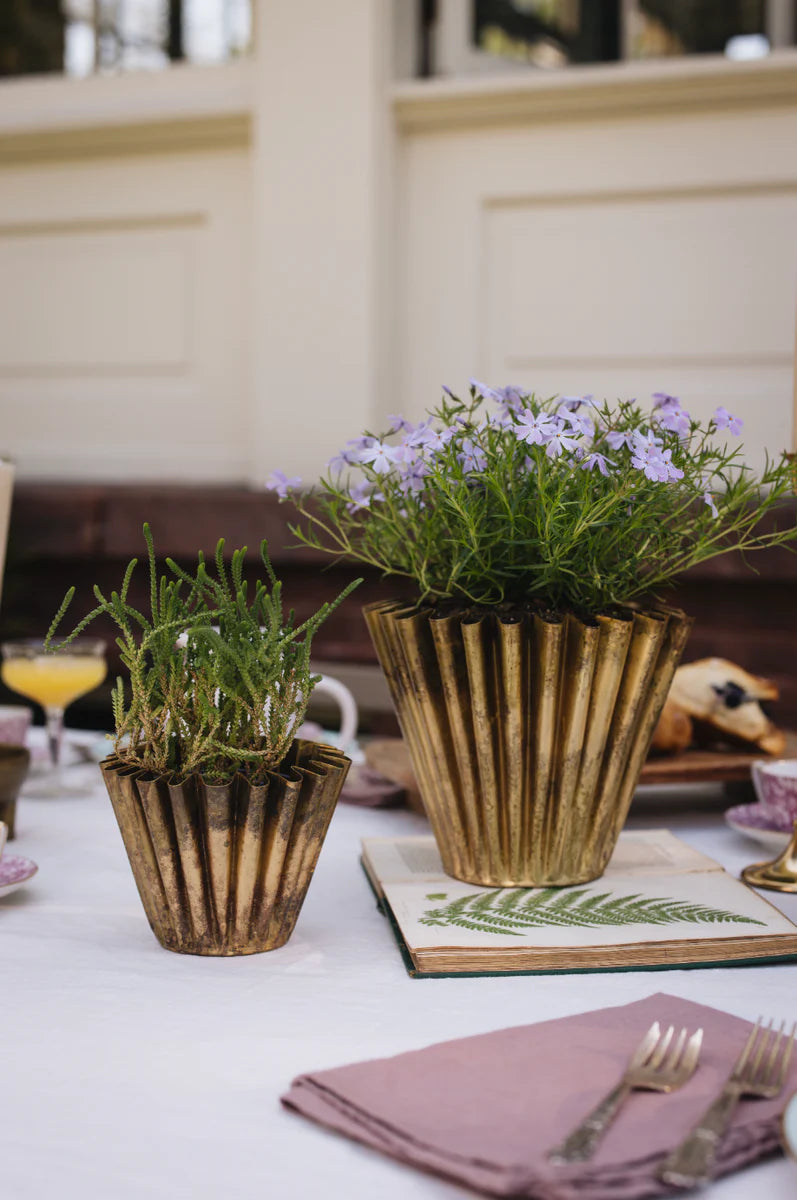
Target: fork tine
771,1066
675,1053
754,1071
786,1060
644,1048
739,1065
692,1052
657,1056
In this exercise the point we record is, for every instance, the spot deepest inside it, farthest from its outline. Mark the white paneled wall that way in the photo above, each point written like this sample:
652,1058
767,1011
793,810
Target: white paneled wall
215,272
618,257
124,316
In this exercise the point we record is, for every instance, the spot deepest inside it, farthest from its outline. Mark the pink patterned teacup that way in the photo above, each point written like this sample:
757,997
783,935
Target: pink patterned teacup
15,720
775,783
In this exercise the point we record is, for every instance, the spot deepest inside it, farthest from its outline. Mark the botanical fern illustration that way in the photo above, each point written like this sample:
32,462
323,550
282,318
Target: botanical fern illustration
512,910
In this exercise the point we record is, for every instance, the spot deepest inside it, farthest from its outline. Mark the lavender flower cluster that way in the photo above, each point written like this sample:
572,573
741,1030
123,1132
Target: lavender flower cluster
575,433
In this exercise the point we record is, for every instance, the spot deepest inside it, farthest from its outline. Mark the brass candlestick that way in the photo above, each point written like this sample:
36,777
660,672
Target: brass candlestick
780,875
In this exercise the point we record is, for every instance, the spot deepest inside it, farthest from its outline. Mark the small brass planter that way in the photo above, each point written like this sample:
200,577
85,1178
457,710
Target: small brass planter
527,734
224,870
14,763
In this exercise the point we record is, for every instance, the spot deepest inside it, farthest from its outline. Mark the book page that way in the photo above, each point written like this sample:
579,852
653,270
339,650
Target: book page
647,852
407,858
616,911
655,851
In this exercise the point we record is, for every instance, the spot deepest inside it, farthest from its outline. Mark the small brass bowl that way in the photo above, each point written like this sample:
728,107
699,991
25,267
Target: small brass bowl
14,764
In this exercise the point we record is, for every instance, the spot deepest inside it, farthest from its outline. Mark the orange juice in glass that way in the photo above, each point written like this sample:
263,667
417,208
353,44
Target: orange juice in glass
53,679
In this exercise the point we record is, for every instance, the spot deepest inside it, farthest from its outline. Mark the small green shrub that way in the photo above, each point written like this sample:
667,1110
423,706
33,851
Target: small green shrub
505,497
229,698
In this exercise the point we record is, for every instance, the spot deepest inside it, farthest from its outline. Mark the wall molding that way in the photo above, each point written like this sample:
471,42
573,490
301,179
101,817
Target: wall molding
185,108
616,90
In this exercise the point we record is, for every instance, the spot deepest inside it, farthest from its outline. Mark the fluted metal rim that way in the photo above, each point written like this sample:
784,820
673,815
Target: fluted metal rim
527,731
224,869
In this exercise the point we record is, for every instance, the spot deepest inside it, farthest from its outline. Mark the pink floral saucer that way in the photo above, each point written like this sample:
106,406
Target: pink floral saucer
770,827
14,871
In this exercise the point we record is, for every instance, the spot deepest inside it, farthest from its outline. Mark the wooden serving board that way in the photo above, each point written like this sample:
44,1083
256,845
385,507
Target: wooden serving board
707,766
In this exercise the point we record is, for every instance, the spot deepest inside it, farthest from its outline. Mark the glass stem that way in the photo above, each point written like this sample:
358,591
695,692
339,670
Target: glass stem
54,721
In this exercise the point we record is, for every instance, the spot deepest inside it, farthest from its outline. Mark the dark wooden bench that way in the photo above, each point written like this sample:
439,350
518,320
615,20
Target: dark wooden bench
63,534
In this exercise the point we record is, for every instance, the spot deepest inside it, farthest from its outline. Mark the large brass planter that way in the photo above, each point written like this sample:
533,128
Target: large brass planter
527,734
225,869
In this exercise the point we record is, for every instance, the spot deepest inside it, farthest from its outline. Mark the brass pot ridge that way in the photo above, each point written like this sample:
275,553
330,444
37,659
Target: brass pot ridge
527,734
224,870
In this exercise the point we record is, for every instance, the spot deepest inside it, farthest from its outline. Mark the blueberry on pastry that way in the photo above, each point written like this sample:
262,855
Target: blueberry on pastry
728,699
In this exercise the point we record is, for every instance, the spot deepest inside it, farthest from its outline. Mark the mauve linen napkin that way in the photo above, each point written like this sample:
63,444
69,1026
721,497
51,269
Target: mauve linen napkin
485,1110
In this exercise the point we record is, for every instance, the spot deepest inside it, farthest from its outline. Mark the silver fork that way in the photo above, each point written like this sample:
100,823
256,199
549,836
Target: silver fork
656,1065
760,1073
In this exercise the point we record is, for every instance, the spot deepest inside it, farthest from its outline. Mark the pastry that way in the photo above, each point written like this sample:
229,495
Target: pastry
723,696
674,731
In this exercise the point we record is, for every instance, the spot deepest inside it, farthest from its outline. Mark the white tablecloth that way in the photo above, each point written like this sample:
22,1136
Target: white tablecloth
130,1073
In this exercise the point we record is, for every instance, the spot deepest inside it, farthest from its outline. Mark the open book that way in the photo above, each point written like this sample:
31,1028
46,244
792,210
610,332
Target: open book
659,904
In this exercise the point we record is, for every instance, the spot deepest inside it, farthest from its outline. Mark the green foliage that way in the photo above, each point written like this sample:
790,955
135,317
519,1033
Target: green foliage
509,498
230,697
510,911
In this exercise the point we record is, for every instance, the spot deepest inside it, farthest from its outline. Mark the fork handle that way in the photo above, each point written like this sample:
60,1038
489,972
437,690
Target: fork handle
692,1163
583,1141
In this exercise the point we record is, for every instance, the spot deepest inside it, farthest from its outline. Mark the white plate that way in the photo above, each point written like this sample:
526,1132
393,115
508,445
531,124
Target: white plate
14,871
788,1127
770,839
767,826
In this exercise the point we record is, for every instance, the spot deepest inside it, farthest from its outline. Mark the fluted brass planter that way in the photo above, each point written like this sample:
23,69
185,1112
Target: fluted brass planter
527,734
225,869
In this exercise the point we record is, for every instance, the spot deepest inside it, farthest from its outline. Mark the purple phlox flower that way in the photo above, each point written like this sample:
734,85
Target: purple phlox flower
724,420
419,435
559,441
344,458
668,468
361,496
645,443
536,430
489,421
664,400
439,440
578,422
380,456
351,453
398,423
406,454
423,439
709,499
362,443
511,397
674,418
617,439
649,465
597,460
505,418
280,483
412,483
656,464
481,389
471,456
573,403
448,392
413,472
